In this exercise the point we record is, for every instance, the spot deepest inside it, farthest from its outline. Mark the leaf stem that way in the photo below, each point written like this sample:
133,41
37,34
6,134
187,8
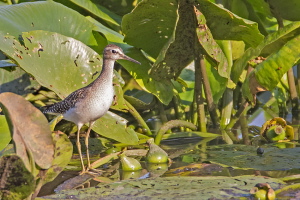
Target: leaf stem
172,124
138,117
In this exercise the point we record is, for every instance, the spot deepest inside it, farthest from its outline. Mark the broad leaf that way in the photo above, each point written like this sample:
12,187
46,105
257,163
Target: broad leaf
50,57
98,10
210,46
225,25
178,51
269,73
45,15
29,128
289,11
150,25
272,43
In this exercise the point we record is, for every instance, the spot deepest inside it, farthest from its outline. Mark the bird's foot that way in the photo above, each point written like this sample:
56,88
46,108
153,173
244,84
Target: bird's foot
93,172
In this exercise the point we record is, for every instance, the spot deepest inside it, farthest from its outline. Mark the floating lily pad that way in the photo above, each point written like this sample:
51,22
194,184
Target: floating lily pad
172,188
242,156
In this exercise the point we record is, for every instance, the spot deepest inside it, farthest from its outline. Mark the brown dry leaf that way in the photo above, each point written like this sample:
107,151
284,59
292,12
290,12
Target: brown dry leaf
30,129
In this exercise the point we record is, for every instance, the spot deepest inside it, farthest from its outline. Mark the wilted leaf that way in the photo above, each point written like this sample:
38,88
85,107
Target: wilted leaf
31,128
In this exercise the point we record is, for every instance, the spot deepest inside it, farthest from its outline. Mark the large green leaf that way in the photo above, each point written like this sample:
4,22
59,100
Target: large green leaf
210,46
99,11
162,89
225,25
271,44
269,73
62,64
150,25
45,15
289,11
178,51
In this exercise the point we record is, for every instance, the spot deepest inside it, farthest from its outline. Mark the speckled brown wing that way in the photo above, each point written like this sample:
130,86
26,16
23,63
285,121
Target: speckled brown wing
68,103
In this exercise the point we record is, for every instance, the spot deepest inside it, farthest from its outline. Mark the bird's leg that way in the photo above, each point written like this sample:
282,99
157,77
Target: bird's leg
79,147
87,143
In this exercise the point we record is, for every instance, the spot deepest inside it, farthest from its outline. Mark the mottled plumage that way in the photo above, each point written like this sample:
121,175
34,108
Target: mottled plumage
89,103
64,105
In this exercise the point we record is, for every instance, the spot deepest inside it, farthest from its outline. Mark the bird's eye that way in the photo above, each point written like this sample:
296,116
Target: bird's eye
113,51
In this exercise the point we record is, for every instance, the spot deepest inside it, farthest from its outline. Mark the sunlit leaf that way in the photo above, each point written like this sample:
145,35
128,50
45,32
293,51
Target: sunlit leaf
50,57
268,73
272,43
45,15
5,136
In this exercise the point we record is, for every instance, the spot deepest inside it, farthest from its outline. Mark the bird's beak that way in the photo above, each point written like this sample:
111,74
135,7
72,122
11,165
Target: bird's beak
124,57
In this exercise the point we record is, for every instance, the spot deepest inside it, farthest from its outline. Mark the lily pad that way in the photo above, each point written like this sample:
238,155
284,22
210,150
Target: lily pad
172,188
242,156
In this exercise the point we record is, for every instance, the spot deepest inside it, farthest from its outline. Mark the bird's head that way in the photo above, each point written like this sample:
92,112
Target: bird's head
113,52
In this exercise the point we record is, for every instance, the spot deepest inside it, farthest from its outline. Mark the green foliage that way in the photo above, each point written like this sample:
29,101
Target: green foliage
59,45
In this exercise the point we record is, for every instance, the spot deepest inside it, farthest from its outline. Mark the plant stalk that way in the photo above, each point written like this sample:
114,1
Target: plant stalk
198,95
138,117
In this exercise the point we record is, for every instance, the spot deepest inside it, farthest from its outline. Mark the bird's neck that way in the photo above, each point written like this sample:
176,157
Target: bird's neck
106,75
